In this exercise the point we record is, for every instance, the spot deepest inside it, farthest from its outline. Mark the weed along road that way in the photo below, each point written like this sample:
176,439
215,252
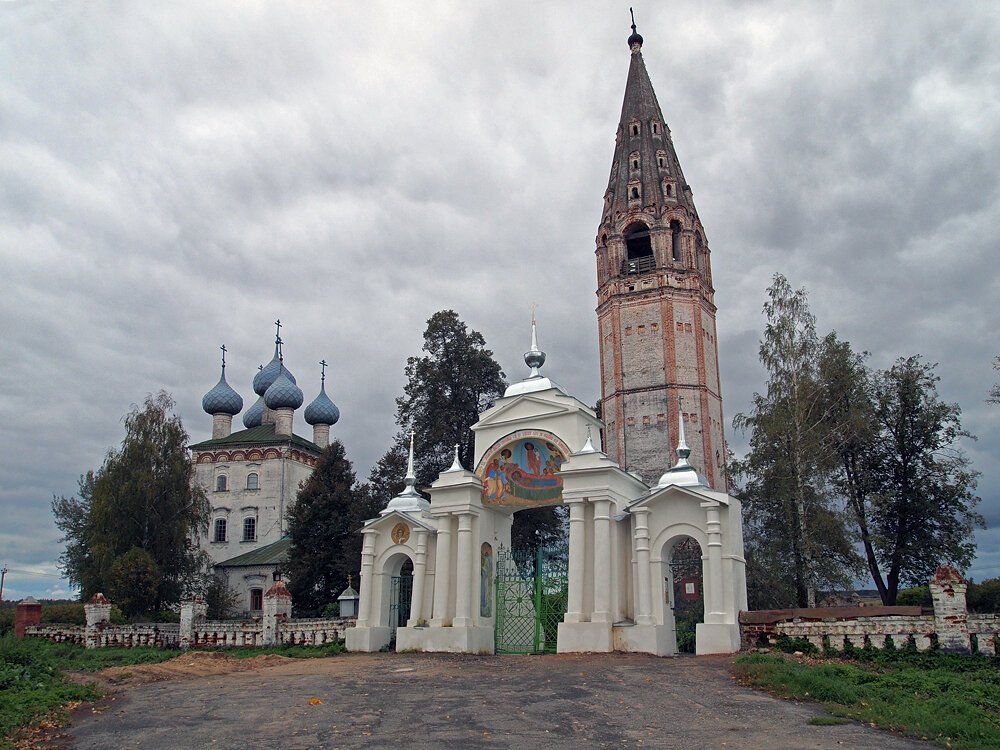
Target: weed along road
458,701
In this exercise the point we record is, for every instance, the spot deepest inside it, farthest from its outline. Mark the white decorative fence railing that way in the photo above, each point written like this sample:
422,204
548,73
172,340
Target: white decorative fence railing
276,626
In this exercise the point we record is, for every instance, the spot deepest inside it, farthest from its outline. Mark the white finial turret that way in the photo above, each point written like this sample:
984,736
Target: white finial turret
533,358
409,500
588,447
682,473
456,465
411,476
683,452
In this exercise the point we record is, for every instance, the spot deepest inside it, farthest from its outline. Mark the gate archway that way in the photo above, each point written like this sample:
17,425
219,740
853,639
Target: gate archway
531,595
684,589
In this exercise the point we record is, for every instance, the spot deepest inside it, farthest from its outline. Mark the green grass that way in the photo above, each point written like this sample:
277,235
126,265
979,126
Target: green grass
827,721
945,698
33,686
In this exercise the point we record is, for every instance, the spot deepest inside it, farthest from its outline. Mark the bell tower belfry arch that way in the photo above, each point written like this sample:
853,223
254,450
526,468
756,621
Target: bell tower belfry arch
656,304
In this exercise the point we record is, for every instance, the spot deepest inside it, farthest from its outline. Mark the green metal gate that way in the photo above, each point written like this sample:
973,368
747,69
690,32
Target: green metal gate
531,593
399,603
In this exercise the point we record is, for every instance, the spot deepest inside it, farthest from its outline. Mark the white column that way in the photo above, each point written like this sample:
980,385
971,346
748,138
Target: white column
643,606
367,581
464,573
577,561
442,573
602,562
419,579
713,600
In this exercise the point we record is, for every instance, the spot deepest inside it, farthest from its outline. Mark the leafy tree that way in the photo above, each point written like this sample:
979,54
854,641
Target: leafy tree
795,533
924,513
135,581
323,524
141,497
994,397
851,429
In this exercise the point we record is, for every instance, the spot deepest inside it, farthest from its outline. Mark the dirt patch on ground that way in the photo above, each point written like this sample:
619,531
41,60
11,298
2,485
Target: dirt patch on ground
187,666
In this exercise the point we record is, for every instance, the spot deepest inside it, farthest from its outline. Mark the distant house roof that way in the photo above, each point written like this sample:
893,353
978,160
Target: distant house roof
262,435
270,554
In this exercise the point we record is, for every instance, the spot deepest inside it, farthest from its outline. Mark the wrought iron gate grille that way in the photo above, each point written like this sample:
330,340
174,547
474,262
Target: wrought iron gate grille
531,592
399,603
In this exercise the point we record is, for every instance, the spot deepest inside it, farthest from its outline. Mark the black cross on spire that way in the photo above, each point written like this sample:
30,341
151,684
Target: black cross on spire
223,347
323,376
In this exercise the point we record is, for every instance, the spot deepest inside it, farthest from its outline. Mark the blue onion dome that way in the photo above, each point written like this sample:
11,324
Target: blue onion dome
254,416
266,377
283,393
222,399
322,410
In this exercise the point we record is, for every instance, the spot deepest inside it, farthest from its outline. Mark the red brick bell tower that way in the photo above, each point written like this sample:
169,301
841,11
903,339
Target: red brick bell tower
656,308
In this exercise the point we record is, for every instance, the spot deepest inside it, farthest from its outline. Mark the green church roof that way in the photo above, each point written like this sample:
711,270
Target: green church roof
270,554
262,435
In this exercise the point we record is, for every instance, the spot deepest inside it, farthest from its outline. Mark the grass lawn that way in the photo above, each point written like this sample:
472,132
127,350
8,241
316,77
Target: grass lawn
951,700
32,686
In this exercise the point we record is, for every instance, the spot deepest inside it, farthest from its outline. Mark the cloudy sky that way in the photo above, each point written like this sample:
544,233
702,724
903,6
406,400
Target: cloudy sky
178,175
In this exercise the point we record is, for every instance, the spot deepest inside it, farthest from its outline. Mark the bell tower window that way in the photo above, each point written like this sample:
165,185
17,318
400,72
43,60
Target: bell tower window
675,240
637,243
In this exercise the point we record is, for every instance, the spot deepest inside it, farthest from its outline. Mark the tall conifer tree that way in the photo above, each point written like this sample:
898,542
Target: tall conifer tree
323,525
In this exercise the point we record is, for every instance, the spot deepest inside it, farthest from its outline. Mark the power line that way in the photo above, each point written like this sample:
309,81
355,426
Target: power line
32,573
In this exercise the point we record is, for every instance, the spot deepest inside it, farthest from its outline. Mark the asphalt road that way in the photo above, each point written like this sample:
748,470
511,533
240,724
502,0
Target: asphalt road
455,701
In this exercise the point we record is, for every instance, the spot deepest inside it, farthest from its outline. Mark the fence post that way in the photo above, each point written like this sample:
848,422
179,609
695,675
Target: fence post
277,608
951,616
98,613
193,611
29,612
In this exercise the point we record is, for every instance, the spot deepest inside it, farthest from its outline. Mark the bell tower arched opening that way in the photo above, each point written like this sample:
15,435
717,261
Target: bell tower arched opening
637,242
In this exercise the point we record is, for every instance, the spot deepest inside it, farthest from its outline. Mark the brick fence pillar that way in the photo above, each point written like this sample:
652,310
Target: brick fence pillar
277,609
951,617
29,612
98,614
193,611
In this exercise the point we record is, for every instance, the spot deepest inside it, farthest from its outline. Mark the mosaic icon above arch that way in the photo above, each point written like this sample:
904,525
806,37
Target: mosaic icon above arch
521,470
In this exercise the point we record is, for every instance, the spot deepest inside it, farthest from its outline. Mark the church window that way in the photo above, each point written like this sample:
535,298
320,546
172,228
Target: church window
675,240
635,129
256,600
250,529
699,252
656,128
637,242
253,482
635,192
221,483
670,190
220,530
